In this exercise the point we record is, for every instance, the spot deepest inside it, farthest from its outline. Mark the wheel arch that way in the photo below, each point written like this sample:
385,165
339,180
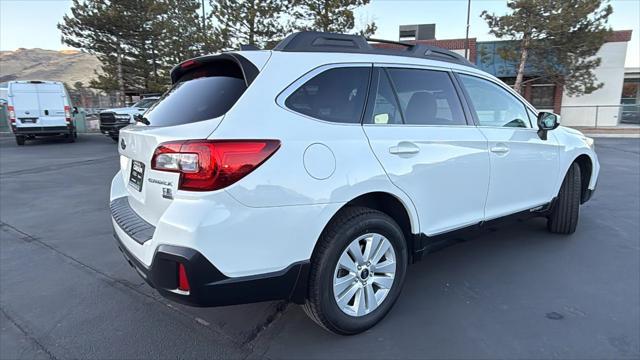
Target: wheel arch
390,204
585,163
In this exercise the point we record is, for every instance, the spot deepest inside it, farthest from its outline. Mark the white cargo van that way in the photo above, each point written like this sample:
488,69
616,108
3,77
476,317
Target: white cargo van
40,108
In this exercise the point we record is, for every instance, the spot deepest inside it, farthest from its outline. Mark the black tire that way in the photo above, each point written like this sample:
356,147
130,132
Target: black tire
115,139
20,140
564,216
347,226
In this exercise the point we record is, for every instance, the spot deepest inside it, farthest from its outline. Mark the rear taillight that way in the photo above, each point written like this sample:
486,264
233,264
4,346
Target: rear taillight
12,114
67,114
206,165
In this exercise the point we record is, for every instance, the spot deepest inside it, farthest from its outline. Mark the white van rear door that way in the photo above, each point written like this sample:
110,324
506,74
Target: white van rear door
25,103
51,98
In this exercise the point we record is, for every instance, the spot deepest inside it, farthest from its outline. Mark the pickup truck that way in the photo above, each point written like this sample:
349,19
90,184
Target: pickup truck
112,120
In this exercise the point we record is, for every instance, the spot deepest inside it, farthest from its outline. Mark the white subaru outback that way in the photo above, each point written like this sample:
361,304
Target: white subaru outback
316,172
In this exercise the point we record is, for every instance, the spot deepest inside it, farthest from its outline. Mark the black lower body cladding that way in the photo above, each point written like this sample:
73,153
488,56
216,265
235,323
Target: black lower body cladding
208,286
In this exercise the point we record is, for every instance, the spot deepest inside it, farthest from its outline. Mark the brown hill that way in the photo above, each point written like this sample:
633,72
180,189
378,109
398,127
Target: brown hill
68,66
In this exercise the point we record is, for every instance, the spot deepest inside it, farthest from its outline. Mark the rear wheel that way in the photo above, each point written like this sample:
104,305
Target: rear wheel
357,271
564,216
20,140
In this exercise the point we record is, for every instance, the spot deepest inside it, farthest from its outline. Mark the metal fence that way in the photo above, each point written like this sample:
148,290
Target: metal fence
601,115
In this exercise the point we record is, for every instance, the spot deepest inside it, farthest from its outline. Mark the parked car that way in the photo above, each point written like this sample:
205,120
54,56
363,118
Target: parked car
40,108
318,171
112,120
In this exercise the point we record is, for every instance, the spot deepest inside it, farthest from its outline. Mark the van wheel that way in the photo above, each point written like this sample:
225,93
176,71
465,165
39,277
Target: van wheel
357,271
564,216
20,140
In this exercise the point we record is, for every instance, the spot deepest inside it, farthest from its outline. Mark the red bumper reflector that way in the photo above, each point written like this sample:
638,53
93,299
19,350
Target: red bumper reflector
183,282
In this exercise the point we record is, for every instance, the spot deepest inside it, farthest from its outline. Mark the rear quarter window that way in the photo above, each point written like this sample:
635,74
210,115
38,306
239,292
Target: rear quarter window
336,95
201,94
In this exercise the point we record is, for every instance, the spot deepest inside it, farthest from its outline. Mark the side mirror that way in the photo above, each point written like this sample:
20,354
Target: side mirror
547,121
141,119
75,110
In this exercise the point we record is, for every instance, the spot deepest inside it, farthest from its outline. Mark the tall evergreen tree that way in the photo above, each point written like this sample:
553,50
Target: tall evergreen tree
96,27
256,22
329,15
137,42
185,37
560,37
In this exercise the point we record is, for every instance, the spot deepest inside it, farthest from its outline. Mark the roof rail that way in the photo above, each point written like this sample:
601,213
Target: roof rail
381,41
314,41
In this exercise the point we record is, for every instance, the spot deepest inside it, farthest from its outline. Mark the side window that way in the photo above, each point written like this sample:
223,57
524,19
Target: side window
336,95
385,109
493,105
427,97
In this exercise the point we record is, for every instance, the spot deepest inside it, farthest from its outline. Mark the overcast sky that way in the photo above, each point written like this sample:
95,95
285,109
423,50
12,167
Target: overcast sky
32,23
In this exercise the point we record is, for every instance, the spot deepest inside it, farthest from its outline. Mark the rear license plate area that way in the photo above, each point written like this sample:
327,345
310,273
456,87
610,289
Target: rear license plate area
137,175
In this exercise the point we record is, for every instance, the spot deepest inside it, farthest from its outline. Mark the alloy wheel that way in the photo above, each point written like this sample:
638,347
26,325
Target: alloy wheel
364,274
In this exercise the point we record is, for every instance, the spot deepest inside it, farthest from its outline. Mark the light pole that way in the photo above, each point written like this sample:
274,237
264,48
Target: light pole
466,37
204,24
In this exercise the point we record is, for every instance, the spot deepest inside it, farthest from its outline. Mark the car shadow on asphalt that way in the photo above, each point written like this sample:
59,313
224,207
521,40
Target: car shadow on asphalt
460,301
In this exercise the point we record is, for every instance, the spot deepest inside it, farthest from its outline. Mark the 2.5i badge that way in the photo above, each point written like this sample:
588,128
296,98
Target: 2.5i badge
166,193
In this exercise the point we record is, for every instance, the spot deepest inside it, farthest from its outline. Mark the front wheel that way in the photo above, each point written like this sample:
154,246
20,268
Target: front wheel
20,140
357,271
564,216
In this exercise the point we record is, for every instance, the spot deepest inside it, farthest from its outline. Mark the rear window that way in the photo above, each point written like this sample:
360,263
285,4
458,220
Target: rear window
202,94
336,95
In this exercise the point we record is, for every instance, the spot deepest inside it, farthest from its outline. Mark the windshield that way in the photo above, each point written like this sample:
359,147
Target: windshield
198,99
145,103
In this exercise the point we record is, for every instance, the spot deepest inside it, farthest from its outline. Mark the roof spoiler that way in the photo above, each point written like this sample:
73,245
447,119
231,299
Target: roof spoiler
249,71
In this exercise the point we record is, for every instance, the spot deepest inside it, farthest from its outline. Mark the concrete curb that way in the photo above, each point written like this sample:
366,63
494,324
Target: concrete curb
618,136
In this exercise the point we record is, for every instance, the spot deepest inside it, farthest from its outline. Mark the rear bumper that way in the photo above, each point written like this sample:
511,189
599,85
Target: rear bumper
208,286
241,254
42,130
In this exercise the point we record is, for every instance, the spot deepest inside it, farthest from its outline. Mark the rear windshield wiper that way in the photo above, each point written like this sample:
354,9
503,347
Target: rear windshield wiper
141,119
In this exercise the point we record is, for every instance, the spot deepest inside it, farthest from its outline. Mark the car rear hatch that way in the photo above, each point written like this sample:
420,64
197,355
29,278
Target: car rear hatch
203,90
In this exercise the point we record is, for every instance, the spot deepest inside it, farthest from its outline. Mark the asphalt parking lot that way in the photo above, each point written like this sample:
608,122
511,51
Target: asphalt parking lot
512,292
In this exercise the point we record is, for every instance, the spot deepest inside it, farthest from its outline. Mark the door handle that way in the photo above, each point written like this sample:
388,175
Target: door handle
404,148
499,149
